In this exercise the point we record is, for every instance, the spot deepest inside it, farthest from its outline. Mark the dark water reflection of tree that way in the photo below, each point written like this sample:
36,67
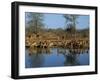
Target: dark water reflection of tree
71,56
37,56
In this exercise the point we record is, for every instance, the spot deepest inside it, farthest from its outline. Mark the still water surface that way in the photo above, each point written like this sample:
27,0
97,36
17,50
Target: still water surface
54,57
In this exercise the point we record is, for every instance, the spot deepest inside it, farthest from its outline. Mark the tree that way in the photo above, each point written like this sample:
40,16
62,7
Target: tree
71,19
70,28
35,22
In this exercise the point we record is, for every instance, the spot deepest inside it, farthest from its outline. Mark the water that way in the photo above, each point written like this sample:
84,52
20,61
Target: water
54,57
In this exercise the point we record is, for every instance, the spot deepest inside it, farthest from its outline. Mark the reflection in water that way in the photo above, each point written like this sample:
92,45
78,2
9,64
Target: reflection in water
52,57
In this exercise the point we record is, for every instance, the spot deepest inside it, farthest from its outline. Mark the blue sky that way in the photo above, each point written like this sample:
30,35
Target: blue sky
58,21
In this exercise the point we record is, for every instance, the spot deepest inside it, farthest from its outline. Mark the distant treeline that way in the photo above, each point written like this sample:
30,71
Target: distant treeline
35,25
